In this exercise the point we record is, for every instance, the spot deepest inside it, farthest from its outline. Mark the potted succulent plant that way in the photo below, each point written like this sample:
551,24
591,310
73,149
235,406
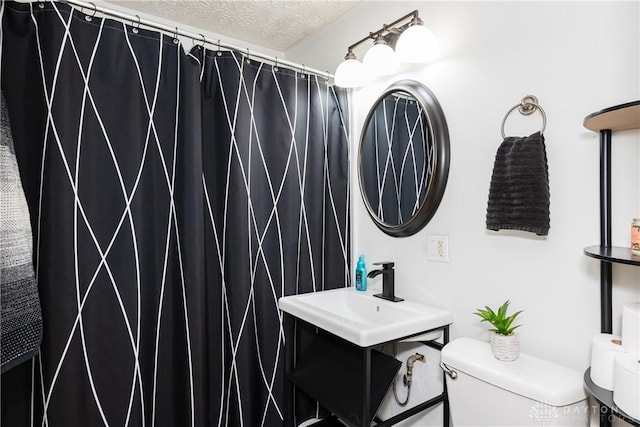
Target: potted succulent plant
504,342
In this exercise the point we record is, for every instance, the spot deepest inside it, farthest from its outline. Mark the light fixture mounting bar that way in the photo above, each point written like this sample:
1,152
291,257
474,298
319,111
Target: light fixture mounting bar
385,27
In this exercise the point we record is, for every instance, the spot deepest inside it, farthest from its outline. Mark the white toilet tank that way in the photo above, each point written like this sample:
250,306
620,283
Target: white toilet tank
526,392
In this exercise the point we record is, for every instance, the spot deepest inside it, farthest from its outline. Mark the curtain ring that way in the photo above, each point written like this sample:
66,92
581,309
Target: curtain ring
203,40
275,66
219,51
248,60
304,71
136,29
95,10
175,37
40,5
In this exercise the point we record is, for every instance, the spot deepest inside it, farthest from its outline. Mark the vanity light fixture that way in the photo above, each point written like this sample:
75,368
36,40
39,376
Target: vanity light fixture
412,41
417,43
350,72
380,59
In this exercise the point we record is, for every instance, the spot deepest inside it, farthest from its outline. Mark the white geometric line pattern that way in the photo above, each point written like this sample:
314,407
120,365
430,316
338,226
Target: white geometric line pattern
176,197
70,155
127,212
402,159
288,250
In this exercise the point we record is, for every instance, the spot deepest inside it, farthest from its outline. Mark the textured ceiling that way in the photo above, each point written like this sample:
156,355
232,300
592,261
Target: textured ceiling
275,24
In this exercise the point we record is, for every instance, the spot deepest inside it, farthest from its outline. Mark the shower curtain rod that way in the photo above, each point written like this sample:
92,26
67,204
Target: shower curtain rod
136,20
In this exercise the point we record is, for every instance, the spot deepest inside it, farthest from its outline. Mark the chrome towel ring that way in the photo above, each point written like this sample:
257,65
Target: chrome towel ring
526,107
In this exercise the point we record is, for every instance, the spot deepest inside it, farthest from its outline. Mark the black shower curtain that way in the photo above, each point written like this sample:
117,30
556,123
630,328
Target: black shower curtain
174,197
276,194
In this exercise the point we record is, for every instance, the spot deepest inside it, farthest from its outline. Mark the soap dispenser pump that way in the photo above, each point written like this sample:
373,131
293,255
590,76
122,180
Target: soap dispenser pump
361,274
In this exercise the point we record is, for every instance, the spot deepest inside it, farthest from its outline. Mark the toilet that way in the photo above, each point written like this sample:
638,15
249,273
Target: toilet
484,391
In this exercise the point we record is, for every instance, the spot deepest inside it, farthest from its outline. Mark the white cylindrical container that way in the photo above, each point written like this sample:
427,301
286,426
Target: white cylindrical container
626,386
631,328
505,347
605,348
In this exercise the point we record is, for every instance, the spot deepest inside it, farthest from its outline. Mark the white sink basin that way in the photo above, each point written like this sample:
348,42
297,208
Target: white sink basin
361,318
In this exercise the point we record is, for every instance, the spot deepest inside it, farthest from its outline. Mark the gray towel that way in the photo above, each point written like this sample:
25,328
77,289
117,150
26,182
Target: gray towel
519,191
20,315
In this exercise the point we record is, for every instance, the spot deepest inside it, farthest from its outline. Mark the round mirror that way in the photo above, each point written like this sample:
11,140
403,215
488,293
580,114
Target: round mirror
404,158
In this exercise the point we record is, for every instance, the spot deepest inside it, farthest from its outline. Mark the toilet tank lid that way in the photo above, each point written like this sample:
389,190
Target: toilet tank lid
528,376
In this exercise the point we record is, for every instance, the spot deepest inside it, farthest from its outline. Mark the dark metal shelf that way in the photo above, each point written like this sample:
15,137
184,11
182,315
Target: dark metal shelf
605,397
614,254
347,380
619,117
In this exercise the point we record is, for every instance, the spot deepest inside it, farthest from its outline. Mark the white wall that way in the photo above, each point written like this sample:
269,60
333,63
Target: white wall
577,58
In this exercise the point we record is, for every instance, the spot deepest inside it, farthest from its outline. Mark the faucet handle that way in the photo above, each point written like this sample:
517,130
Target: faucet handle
386,265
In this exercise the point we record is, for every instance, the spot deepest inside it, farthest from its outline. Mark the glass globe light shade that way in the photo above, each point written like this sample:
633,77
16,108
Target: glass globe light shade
350,73
417,44
380,60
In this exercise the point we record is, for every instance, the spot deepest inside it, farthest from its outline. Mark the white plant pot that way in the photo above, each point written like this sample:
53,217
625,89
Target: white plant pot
505,347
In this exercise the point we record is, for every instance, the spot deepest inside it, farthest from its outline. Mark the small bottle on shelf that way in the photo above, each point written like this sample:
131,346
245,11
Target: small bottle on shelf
361,274
635,236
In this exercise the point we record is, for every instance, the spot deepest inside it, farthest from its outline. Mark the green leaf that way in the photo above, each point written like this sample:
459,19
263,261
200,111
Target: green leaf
484,314
502,311
491,312
502,324
509,320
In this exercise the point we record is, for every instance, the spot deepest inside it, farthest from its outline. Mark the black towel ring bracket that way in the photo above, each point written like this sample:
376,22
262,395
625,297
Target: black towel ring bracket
526,107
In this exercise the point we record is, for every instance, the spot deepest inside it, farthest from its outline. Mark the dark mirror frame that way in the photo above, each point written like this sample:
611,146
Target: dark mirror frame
439,133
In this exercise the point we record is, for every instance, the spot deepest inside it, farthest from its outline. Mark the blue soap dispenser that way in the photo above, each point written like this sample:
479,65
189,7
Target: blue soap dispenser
361,274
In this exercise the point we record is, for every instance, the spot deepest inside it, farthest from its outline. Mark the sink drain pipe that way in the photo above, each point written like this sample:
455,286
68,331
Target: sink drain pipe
406,379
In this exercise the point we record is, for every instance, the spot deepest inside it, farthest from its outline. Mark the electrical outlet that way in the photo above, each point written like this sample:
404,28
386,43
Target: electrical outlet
438,247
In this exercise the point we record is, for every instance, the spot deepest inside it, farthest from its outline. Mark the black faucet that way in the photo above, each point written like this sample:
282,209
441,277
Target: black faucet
388,281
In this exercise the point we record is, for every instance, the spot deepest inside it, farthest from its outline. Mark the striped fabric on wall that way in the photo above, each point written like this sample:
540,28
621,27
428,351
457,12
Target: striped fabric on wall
174,198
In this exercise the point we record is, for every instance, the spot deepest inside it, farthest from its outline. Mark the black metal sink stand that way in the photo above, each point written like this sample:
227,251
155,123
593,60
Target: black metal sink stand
364,418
